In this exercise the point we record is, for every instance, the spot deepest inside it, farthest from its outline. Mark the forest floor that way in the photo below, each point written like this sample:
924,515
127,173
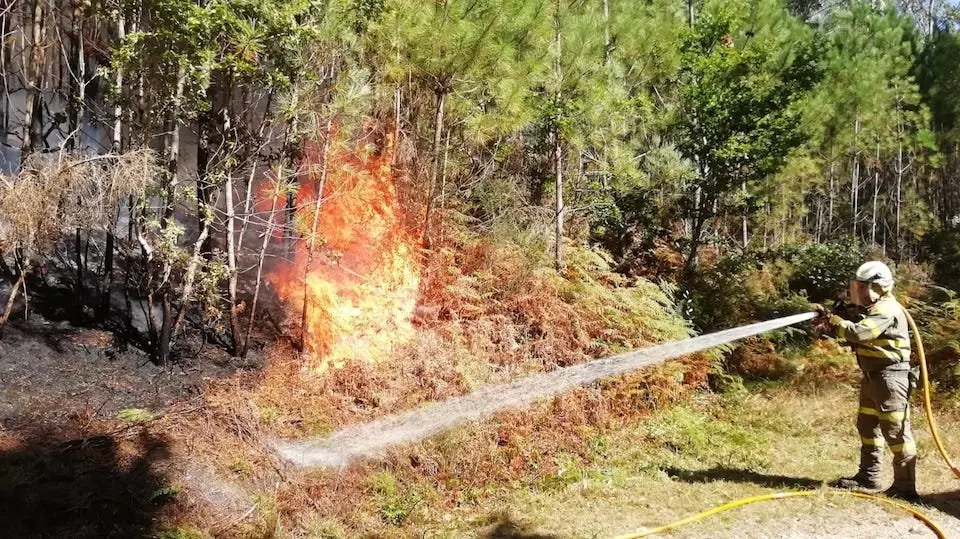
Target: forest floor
50,372
716,449
79,458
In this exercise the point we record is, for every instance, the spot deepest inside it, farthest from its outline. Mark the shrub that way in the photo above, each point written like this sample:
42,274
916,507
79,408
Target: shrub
396,503
944,249
495,293
758,285
757,359
822,270
738,290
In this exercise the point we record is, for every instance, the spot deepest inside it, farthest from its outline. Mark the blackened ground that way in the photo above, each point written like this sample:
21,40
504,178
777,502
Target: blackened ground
52,374
70,466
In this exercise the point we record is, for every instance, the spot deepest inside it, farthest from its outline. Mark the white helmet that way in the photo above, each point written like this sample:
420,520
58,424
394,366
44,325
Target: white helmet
875,272
872,281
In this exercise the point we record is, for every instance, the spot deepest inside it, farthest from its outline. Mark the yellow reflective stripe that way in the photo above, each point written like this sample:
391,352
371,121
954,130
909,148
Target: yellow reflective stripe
906,447
873,442
871,322
873,325
890,341
842,332
868,351
893,417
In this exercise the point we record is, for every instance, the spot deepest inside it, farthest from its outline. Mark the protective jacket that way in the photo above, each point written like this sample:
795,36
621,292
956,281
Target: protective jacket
881,339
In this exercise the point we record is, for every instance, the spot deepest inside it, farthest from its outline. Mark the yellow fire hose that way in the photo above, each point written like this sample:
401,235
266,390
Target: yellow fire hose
931,421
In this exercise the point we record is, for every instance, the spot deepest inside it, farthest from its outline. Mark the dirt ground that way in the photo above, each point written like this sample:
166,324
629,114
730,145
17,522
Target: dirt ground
77,455
53,375
70,468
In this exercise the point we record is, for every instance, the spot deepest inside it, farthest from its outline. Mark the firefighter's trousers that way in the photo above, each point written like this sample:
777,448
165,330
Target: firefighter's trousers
884,420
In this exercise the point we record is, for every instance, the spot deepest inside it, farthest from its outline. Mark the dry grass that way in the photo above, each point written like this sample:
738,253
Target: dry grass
718,448
57,192
592,462
495,318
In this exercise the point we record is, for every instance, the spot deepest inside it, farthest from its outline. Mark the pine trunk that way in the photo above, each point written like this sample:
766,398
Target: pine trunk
166,331
898,240
235,334
173,148
876,195
248,195
106,281
435,165
832,197
5,23
558,145
260,259
855,180
746,238
166,328
118,81
190,277
397,104
33,61
443,187
11,301
607,49
79,289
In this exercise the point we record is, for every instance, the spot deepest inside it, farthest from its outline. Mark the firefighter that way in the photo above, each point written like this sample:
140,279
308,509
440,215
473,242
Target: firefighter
881,342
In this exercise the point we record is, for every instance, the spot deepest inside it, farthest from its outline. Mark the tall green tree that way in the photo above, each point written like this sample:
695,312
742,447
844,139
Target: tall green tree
739,119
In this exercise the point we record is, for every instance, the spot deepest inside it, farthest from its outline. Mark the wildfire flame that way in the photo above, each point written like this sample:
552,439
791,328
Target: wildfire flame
361,289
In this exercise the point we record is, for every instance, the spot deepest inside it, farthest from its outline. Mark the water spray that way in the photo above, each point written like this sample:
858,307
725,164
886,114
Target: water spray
371,438
919,515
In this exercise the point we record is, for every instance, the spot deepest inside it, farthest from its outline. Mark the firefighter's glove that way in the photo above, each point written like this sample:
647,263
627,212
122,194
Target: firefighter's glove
820,310
835,320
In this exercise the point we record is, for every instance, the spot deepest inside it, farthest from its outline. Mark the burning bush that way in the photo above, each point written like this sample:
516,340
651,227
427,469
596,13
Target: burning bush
356,295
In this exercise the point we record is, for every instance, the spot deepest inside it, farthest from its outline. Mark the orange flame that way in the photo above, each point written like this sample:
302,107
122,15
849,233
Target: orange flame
361,289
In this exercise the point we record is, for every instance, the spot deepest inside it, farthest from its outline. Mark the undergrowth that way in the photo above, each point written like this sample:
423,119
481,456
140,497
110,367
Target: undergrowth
490,312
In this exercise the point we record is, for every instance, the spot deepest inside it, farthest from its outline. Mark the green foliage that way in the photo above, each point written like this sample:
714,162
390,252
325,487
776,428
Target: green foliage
944,246
738,289
136,415
630,307
241,467
822,270
938,74
938,316
571,470
396,501
740,92
169,491
691,434
758,285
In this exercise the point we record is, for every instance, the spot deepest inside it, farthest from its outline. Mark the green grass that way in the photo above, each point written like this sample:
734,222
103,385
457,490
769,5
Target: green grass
753,438
692,457
395,501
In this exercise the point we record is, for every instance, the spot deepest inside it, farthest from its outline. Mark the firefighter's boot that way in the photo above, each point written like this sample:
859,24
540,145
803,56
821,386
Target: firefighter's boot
859,483
868,477
904,480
